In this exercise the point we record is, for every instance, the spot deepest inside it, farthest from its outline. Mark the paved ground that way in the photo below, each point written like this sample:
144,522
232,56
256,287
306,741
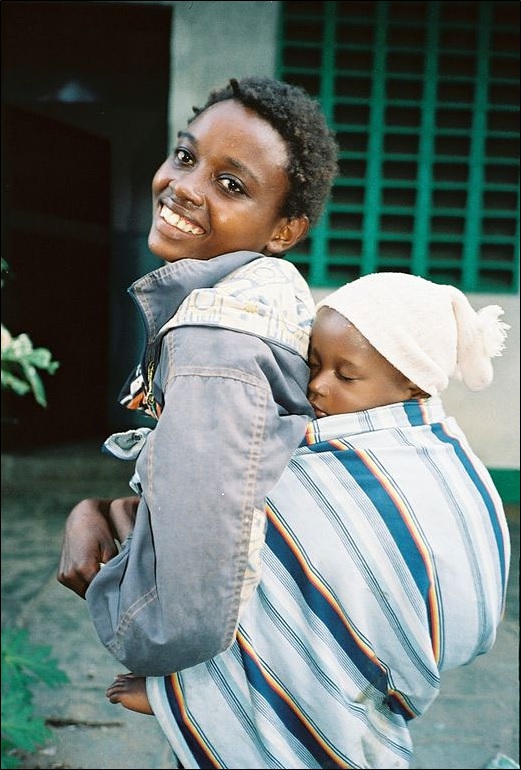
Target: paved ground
475,718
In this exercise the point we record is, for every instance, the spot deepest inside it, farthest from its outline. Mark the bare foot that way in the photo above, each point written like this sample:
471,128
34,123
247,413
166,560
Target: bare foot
130,691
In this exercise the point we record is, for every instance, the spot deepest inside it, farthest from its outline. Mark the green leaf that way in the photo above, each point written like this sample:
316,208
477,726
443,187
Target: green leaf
41,357
14,383
19,654
9,760
20,726
20,362
23,663
34,380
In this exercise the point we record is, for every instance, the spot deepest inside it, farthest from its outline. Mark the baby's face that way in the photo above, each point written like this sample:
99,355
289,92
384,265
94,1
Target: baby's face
347,373
222,188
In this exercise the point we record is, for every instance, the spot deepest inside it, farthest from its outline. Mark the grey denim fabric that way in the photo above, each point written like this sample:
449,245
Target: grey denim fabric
235,409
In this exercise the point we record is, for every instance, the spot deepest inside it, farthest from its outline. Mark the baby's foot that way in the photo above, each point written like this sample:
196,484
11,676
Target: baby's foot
130,691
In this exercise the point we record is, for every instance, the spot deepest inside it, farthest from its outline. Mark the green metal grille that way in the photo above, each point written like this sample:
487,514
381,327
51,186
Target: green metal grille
424,100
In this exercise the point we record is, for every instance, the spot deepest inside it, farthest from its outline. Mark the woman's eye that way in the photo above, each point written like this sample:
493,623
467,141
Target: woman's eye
231,185
182,156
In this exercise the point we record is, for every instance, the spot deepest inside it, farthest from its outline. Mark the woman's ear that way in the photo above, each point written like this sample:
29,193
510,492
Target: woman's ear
290,232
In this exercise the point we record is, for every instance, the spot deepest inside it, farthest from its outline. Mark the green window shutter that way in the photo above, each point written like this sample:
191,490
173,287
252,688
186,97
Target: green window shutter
424,100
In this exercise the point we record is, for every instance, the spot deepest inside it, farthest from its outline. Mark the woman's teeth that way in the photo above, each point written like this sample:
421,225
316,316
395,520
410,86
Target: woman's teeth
182,224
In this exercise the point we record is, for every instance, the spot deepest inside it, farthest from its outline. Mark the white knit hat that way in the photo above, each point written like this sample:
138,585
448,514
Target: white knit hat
427,331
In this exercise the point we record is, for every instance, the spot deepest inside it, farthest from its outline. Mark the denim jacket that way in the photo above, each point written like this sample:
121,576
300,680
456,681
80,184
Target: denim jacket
224,372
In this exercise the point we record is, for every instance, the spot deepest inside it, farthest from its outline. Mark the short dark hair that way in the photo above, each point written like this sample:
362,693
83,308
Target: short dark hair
298,118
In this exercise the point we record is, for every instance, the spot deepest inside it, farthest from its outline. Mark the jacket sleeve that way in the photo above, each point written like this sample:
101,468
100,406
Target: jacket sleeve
228,428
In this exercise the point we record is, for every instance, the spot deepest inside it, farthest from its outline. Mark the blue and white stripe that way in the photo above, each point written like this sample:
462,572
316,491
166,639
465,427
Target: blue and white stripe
385,562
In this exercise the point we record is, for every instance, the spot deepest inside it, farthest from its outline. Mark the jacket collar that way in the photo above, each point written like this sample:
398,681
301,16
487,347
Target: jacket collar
159,293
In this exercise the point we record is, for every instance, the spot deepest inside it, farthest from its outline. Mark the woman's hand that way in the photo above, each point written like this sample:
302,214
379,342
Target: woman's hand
122,515
91,531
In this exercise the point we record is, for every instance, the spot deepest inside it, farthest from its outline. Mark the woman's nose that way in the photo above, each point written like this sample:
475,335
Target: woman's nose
187,189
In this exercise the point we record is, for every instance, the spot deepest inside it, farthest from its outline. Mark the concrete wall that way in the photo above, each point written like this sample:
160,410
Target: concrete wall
213,41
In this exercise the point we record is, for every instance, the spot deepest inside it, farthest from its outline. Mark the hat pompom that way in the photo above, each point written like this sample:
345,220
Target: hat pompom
493,331
481,336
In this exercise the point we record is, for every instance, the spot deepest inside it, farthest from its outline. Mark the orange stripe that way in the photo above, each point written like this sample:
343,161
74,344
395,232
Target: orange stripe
386,483
311,576
289,701
190,725
310,434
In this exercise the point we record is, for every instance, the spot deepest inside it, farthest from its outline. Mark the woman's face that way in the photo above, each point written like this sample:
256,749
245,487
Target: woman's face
347,373
222,188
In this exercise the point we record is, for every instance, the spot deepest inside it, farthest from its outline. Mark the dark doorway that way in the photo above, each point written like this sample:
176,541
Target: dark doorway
84,126
57,244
